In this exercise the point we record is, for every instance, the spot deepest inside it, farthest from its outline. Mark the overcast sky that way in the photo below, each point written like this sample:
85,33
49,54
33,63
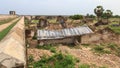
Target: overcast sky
57,7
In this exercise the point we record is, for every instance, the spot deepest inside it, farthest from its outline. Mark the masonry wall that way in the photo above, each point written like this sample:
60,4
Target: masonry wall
13,46
96,38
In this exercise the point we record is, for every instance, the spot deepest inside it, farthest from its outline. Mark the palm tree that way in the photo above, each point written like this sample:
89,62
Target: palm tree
108,14
98,11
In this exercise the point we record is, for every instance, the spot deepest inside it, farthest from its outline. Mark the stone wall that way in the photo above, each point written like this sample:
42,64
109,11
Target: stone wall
13,48
96,38
67,40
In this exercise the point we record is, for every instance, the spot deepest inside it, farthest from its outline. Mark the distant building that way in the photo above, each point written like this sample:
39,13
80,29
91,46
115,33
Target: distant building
12,13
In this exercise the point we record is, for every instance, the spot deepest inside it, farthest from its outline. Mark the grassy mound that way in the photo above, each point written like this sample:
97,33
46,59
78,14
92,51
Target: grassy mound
58,60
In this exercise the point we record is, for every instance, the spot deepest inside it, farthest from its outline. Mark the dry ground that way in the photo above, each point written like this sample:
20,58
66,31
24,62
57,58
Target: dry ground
85,55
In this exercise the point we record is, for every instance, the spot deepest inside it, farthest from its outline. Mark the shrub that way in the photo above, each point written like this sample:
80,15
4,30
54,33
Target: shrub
47,47
98,48
58,60
52,49
76,17
30,59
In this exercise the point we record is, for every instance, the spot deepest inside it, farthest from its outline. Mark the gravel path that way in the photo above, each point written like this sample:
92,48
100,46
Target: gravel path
2,27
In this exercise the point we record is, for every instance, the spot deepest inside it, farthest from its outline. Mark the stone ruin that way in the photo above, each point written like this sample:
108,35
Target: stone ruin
12,13
62,20
42,23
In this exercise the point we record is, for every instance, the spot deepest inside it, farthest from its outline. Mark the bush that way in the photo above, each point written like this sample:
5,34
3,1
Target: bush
76,17
47,47
56,61
52,49
30,59
98,48
84,66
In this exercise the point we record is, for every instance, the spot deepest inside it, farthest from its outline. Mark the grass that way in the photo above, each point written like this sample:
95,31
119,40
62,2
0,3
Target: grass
58,60
52,21
4,32
114,48
35,21
110,48
100,50
103,67
84,66
6,21
30,59
115,29
85,45
47,47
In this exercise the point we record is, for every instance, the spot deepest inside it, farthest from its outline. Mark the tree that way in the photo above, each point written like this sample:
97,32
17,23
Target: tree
98,11
116,16
108,14
76,17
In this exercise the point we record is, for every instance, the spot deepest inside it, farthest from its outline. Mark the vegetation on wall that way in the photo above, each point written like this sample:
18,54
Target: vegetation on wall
6,21
4,32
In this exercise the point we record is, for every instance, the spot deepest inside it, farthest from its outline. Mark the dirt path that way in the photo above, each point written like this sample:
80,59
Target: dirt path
86,56
7,24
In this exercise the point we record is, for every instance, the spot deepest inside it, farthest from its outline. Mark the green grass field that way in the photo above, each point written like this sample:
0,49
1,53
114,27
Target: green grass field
4,32
115,29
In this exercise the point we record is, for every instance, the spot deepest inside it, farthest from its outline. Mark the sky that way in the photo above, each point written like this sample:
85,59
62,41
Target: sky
57,7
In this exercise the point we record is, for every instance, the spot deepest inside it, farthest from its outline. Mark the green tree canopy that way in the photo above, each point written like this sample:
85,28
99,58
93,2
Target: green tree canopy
98,11
76,17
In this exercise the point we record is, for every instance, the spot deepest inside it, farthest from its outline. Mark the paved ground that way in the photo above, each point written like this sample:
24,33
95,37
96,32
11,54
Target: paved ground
7,24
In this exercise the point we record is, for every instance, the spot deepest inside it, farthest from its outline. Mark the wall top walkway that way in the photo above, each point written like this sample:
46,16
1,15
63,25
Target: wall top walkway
12,47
